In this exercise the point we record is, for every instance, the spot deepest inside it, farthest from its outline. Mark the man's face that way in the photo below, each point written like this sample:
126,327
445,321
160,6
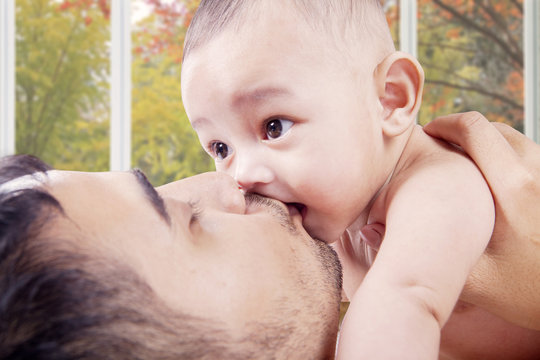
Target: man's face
205,249
282,112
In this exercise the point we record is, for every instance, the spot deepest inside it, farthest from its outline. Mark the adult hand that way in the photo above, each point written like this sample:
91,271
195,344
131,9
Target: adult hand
506,280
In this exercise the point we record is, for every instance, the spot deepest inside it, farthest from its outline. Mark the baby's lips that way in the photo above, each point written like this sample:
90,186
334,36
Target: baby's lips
373,235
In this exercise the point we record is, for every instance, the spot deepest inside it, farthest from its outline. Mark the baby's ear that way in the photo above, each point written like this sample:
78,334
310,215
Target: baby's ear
399,79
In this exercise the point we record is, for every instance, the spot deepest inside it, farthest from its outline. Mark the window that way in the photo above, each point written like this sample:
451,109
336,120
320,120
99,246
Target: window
475,55
95,84
472,54
163,142
532,68
62,87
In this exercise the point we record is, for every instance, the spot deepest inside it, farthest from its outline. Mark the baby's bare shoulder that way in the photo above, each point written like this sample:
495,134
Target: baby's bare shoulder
433,175
429,159
430,173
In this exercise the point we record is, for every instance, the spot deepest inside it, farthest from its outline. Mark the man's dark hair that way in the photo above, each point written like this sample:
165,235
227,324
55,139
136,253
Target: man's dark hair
60,303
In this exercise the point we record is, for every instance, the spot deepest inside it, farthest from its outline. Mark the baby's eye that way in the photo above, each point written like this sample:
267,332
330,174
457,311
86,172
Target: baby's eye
275,128
219,150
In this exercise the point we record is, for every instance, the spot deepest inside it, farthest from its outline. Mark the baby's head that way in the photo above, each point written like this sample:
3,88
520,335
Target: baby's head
304,101
343,24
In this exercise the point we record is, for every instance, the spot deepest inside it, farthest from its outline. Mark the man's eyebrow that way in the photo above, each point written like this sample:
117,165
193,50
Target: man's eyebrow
152,195
258,95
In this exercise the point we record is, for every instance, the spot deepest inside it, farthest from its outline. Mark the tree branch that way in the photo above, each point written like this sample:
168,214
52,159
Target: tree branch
518,5
502,25
446,46
58,66
477,89
517,58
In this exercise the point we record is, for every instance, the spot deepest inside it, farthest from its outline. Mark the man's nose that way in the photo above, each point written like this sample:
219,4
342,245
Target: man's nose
227,195
209,190
251,172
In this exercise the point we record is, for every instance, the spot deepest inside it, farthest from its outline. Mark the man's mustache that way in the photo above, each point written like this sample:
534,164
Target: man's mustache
275,207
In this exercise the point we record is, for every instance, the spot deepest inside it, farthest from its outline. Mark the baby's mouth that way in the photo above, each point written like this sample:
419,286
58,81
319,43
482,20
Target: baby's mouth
297,207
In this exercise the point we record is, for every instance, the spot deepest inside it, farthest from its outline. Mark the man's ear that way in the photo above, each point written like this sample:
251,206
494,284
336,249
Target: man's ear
399,79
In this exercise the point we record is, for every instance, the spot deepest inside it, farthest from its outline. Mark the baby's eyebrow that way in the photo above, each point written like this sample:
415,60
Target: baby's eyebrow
258,95
247,98
152,195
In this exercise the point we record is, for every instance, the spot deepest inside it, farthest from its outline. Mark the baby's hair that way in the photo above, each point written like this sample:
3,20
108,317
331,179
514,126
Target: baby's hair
345,22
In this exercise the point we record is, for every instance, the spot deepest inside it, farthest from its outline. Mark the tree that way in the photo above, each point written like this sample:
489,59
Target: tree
61,88
471,51
164,144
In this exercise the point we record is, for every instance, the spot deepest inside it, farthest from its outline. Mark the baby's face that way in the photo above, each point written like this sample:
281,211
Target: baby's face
278,110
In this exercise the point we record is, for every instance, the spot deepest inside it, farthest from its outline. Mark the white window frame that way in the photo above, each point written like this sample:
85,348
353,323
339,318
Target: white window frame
7,77
120,140
120,135
408,38
531,68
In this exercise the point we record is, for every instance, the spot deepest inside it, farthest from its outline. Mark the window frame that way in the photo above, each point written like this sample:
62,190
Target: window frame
121,57
531,68
7,77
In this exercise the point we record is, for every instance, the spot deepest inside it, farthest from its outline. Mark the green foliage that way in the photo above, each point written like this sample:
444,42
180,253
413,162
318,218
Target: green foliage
165,146
62,91
61,84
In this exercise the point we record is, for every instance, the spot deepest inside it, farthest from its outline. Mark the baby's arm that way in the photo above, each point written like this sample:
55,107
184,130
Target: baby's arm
439,220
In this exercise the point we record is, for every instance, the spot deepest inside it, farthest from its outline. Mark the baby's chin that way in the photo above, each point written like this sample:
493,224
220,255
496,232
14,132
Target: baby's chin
318,230
317,227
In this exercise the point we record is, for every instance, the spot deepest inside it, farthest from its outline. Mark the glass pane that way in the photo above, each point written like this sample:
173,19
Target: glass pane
472,54
62,91
164,145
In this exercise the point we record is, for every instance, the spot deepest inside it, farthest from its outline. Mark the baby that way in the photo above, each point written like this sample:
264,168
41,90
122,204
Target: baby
308,102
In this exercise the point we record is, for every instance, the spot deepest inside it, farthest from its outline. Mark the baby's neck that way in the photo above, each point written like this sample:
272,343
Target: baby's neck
402,150
396,155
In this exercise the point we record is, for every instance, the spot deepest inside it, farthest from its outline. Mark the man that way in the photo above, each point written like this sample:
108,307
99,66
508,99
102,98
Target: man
63,296
102,265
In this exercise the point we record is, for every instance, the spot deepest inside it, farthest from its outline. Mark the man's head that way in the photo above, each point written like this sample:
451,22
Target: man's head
103,264
301,101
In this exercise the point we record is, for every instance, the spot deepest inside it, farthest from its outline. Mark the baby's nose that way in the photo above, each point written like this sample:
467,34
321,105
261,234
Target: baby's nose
251,173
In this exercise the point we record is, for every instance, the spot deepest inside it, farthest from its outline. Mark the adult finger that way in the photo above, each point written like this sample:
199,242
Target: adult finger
522,145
